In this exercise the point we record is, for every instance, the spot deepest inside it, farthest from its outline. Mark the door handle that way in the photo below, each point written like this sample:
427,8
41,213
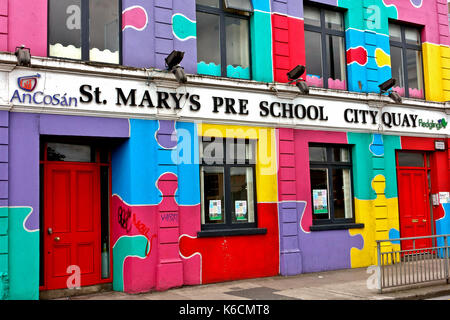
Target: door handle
57,238
424,220
414,220
49,230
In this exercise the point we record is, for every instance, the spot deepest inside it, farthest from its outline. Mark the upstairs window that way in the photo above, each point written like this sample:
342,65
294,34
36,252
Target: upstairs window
84,30
223,38
325,48
406,60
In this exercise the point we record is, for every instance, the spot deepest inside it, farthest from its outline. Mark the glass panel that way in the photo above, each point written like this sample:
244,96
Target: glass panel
412,36
65,28
104,185
395,33
334,20
240,151
208,42
104,31
415,75
241,185
311,16
243,5
342,196
212,188
319,188
317,154
212,151
69,152
397,70
410,159
313,48
209,3
336,62
341,154
237,44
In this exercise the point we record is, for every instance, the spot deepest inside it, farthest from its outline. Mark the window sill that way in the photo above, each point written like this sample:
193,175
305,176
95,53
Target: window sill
337,226
231,232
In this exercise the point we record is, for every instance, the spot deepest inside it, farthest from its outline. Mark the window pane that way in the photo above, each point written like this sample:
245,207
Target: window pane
65,28
313,45
69,152
104,31
317,154
342,197
237,44
412,36
208,44
209,3
336,62
410,159
395,33
243,5
240,151
415,75
319,188
211,150
334,20
241,184
341,154
311,16
397,70
212,188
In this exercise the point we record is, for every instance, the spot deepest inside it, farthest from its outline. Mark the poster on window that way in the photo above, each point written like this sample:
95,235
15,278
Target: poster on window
241,210
320,201
215,210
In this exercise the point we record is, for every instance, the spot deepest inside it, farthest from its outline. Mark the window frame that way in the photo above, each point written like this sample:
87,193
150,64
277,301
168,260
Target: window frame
222,12
228,219
324,31
85,28
404,46
329,165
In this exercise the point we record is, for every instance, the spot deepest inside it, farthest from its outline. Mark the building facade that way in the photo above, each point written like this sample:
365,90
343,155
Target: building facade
114,171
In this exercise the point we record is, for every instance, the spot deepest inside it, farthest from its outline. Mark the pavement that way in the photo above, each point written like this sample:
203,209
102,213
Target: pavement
348,284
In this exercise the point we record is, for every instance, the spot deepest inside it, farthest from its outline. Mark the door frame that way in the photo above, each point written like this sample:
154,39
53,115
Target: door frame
427,168
43,286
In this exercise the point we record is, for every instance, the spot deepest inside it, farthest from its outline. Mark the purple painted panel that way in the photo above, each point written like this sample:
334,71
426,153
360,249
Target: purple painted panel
188,46
4,118
138,34
3,171
84,126
288,7
4,189
4,135
3,153
4,203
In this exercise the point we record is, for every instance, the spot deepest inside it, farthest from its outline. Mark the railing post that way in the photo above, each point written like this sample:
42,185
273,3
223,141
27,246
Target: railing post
446,259
380,290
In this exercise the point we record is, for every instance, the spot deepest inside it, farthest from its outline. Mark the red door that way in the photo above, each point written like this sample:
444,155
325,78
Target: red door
71,223
414,206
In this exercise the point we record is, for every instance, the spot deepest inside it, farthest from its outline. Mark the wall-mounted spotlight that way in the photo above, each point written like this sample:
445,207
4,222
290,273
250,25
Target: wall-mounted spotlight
173,65
23,56
386,87
295,76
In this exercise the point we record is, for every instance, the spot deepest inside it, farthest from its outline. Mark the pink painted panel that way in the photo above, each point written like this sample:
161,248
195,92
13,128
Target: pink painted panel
28,26
3,7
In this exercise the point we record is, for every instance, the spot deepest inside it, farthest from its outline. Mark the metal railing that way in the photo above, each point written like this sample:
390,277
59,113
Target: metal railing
414,265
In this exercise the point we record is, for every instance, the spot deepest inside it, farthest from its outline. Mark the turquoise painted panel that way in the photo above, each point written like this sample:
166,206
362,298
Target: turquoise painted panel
261,46
183,28
210,69
3,244
261,5
238,72
3,226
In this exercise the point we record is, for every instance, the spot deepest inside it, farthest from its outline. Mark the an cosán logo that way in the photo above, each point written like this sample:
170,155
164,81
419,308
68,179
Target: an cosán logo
28,83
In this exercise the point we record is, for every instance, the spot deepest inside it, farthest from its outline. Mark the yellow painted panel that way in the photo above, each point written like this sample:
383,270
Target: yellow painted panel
266,164
432,66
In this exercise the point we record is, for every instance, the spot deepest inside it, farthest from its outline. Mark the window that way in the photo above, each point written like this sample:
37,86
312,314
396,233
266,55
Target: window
325,48
406,61
331,184
228,184
223,40
85,30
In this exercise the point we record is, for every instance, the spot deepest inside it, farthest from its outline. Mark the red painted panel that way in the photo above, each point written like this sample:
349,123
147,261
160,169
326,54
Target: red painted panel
72,211
288,45
238,257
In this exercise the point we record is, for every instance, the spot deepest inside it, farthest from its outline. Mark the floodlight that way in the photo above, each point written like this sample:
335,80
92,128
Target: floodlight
174,58
385,86
395,97
23,56
296,73
303,87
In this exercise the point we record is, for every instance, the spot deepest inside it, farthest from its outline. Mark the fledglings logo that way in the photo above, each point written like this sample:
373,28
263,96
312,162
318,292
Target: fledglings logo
440,124
28,83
